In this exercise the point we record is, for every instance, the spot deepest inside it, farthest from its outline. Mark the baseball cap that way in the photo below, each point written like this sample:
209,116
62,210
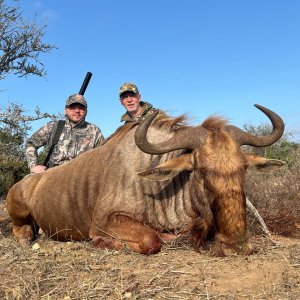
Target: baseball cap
128,87
76,98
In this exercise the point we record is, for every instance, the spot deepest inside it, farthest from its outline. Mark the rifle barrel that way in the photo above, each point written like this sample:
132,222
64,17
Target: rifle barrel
85,83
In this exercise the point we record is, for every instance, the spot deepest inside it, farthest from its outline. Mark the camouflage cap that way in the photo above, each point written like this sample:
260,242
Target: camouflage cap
76,98
128,87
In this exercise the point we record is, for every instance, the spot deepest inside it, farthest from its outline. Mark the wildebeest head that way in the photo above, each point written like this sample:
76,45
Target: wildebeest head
213,131
213,154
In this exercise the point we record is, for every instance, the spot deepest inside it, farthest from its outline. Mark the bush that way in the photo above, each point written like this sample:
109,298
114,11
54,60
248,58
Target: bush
14,128
277,196
11,171
13,165
285,150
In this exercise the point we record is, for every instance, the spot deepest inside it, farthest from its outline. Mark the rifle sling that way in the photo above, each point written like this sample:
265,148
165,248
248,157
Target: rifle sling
58,131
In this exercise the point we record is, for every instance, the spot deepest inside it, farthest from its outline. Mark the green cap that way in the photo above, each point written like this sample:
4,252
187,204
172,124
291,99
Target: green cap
128,87
76,98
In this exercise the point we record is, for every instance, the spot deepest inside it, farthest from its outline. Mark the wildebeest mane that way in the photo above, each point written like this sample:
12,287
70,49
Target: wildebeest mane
214,122
120,132
169,124
162,122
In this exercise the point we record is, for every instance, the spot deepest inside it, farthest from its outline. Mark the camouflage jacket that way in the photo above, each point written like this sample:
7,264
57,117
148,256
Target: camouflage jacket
72,142
148,109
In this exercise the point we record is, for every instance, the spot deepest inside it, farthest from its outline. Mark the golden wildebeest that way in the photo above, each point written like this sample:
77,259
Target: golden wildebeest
194,184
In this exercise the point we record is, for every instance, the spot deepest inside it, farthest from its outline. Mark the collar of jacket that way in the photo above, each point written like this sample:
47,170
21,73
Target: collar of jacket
127,117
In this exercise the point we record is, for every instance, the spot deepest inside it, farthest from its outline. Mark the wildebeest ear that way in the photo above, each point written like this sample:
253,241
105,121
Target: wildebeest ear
169,169
264,164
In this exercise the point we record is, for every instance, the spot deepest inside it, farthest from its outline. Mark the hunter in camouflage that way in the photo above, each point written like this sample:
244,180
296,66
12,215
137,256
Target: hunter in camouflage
77,136
130,98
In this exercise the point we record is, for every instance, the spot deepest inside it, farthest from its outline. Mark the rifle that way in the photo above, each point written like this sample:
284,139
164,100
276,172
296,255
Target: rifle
61,123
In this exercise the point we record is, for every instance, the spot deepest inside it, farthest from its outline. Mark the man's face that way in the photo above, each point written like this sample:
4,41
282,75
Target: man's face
131,102
75,112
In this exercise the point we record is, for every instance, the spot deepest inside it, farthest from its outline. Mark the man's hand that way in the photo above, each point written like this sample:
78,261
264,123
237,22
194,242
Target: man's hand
37,169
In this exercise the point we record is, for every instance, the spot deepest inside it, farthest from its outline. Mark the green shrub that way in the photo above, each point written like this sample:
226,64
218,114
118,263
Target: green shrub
13,166
11,171
14,129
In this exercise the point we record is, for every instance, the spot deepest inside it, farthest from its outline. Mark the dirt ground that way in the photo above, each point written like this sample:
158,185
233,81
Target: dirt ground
73,270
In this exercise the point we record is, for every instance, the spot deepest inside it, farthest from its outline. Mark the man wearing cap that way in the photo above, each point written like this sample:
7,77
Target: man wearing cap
77,137
130,98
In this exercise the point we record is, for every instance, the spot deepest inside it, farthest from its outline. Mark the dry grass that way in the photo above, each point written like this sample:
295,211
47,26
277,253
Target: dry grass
77,271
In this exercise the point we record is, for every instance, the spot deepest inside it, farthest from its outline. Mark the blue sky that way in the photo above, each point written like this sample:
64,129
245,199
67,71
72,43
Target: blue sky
193,56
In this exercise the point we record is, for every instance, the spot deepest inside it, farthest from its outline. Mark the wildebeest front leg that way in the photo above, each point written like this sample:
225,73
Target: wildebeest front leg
121,229
230,215
24,227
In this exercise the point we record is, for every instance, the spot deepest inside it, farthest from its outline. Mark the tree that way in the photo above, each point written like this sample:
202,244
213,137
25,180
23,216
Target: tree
20,43
20,48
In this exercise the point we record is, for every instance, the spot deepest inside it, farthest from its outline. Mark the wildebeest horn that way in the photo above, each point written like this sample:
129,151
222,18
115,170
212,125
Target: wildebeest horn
185,138
244,138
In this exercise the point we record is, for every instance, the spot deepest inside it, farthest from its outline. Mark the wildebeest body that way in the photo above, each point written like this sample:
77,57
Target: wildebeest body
65,199
100,195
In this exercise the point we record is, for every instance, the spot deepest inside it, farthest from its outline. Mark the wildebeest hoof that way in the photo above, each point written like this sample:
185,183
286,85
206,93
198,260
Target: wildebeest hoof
106,242
25,242
224,249
24,234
